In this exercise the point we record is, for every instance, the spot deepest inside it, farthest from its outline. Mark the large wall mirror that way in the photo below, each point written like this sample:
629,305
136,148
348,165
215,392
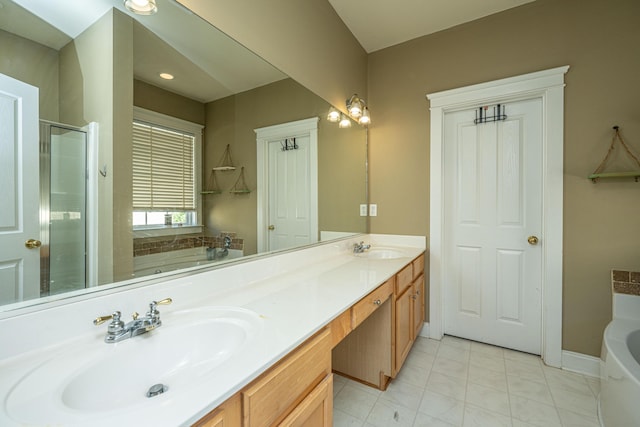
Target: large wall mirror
295,178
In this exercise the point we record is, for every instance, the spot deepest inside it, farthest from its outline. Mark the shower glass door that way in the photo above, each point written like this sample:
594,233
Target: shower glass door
63,208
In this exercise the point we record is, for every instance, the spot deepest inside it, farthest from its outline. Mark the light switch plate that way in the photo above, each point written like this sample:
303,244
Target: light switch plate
363,210
373,209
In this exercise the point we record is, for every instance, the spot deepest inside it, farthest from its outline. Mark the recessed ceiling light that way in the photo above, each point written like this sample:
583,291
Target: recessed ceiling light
166,76
141,7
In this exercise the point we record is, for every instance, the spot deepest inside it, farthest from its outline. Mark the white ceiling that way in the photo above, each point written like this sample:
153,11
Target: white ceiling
382,23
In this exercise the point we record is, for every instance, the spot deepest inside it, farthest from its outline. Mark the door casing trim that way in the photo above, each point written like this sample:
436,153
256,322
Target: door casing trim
549,86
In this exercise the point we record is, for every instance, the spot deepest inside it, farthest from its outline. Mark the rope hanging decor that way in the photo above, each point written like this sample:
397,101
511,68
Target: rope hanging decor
598,172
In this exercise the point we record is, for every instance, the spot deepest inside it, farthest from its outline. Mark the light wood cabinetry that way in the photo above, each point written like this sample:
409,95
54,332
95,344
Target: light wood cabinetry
275,394
370,342
418,304
383,333
229,414
297,391
316,410
403,327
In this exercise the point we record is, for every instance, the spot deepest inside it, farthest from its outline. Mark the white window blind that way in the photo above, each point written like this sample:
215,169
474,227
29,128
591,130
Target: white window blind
163,169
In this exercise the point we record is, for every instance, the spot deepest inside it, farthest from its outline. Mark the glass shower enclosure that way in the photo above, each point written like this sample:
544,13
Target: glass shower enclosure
63,208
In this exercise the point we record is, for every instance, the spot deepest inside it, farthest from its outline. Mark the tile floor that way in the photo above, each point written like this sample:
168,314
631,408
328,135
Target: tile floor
456,382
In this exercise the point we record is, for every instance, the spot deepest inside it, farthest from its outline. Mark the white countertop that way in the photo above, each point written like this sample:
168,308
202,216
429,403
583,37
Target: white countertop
295,294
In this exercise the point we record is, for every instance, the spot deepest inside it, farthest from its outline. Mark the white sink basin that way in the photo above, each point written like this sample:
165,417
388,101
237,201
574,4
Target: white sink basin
383,253
100,377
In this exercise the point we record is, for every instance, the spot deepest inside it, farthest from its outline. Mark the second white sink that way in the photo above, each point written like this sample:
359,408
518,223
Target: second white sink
383,253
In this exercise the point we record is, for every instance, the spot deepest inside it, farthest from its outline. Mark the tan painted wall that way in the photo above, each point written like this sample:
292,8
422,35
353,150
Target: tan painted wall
162,101
341,153
328,60
96,76
600,41
34,64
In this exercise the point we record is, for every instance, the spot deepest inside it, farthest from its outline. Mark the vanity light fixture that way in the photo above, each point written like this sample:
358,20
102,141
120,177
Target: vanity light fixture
345,122
166,76
365,118
355,106
334,115
141,7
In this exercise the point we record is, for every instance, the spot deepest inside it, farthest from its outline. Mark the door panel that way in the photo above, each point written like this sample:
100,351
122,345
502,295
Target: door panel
19,266
289,204
493,201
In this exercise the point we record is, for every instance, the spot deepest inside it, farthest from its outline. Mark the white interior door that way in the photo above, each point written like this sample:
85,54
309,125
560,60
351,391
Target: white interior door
287,184
289,207
492,273
19,191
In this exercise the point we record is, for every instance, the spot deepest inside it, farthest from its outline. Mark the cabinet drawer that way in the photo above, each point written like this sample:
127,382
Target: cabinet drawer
404,279
367,305
273,396
418,266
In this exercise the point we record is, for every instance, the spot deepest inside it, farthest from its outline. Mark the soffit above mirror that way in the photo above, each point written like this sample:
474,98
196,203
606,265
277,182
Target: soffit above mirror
215,67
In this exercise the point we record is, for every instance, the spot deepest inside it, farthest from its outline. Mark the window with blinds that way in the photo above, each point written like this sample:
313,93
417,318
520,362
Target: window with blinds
163,169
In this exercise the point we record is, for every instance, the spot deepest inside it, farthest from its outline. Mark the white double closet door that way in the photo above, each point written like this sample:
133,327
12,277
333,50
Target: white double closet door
492,266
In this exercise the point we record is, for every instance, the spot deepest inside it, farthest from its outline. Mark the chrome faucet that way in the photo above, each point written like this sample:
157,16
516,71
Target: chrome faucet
118,331
359,248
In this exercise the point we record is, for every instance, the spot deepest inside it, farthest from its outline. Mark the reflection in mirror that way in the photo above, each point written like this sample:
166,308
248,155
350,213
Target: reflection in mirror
96,67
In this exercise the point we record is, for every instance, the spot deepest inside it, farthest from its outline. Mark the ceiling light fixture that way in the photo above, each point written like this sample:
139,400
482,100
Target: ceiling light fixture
166,76
141,7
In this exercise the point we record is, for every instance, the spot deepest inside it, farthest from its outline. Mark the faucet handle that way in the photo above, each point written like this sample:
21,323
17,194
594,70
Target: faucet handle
153,312
100,320
165,301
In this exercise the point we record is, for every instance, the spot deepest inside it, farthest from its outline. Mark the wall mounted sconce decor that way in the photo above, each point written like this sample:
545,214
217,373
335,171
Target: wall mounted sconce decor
356,109
345,122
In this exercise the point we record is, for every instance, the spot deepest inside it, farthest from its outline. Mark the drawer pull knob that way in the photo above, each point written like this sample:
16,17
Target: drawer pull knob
377,302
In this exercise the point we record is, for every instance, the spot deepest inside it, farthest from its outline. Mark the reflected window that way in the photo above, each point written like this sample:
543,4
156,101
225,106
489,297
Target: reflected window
166,168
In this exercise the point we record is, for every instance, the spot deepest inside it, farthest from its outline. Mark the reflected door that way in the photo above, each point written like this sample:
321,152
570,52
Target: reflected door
287,163
493,203
19,260
289,201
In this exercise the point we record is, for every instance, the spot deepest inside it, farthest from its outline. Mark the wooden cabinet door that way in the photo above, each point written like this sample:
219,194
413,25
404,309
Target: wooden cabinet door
316,410
229,414
403,327
418,305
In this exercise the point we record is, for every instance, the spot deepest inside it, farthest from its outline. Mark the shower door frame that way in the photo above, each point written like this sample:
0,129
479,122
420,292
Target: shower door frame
91,216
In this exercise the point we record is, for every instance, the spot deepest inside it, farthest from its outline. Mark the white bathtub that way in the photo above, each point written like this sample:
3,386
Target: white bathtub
176,260
619,401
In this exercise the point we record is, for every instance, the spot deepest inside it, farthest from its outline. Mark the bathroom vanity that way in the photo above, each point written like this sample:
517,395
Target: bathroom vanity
249,344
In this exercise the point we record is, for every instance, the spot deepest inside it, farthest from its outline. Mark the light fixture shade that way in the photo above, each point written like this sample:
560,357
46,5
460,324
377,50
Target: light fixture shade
334,115
344,122
354,106
141,7
365,119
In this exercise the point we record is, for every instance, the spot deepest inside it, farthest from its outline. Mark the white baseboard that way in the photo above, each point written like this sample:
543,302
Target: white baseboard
424,332
581,363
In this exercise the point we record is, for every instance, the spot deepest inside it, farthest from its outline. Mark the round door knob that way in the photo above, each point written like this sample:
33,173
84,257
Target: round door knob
33,243
533,240
272,227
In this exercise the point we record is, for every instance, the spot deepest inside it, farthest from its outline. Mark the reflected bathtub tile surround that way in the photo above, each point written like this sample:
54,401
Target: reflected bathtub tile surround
625,282
485,387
